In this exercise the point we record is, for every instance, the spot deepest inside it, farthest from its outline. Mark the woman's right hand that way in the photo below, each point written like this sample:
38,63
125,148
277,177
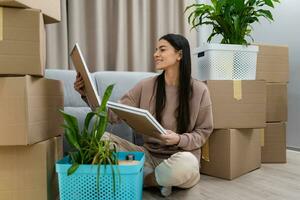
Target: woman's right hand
79,85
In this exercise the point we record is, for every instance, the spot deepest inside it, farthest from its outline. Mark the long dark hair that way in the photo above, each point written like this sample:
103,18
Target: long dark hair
185,89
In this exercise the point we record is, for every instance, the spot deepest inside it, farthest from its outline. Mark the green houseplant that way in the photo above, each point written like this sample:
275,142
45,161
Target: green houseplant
88,148
92,169
234,58
231,19
87,145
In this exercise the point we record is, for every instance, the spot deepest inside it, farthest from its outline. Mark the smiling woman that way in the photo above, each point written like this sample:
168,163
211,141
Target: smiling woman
181,105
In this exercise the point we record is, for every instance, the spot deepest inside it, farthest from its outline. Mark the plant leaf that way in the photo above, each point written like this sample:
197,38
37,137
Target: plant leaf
106,96
98,176
72,123
72,169
102,125
269,3
70,136
88,119
70,120
265,13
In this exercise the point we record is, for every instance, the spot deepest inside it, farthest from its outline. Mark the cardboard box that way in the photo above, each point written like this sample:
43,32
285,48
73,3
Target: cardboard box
50,9
238,104
22,42
28,172
274,145
232,153
29,109
276,102
272,63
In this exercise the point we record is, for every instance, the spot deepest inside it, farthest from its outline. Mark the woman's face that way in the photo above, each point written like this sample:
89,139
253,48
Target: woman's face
166,55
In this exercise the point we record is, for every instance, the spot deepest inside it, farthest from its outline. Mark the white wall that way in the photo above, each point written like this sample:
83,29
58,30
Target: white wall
286,30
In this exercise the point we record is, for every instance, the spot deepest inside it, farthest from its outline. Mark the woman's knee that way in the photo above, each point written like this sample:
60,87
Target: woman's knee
177,170
187,158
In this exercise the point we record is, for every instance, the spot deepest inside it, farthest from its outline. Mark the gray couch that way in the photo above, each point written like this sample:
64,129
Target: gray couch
74,105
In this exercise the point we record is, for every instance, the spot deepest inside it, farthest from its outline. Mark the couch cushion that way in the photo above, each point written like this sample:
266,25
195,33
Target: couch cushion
124,81
72,98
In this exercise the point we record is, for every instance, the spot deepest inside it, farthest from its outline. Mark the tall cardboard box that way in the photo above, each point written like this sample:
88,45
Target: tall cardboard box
232,153
272,63
276,102
28,172
22,42
50,9
238,104
274,145
29,109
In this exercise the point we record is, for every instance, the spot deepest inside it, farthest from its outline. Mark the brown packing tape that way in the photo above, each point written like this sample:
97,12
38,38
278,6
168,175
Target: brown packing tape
237,89
205,151
1,23
262,137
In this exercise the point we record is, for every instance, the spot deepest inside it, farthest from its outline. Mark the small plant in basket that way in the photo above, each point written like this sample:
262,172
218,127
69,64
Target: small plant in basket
231,19
88,148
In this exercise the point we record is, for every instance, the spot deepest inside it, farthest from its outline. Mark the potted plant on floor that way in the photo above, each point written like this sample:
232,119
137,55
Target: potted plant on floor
234,58
91,170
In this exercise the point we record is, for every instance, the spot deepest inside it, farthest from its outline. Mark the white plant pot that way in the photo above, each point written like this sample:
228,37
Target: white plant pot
226,62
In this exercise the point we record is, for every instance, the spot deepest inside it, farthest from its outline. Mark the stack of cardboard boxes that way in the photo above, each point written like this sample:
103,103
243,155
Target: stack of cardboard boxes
239,116
30,140
273,65
249,118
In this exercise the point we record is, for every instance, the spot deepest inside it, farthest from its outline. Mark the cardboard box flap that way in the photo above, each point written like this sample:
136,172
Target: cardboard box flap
274,149
277,102
50,9
248,160
12,16
13,95
218,139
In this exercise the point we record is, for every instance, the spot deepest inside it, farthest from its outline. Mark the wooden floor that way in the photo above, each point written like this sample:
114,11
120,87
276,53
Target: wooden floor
270,182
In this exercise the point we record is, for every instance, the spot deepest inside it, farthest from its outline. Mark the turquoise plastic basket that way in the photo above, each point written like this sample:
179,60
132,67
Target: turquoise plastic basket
82,184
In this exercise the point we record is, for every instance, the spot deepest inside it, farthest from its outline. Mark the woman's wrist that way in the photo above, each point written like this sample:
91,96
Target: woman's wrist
178,139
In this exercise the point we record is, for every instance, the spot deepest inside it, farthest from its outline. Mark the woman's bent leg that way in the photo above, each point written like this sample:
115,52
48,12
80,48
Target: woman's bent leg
180,170
121,144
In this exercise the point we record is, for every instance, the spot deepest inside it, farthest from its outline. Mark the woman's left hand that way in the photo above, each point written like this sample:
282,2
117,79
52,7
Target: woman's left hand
171,138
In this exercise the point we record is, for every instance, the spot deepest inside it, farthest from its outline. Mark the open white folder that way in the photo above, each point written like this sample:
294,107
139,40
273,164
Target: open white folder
138,119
